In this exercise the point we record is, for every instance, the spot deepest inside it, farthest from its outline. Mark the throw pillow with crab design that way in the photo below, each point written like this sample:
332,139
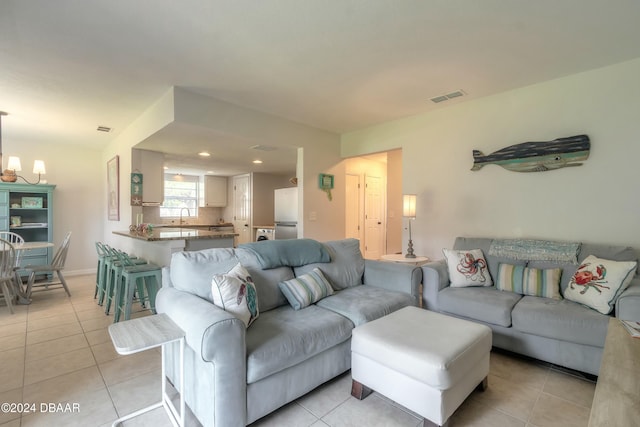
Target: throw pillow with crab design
598,282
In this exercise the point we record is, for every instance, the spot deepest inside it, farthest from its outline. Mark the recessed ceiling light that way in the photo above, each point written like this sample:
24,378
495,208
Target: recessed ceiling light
203,154
166,167
257,162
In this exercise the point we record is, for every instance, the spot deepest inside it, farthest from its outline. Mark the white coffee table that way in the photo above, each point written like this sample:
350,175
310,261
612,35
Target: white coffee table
423,360
133,336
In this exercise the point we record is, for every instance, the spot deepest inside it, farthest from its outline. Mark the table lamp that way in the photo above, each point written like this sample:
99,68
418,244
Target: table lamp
409,211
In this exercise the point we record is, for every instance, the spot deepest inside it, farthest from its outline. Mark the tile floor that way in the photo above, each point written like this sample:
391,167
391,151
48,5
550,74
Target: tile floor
58,350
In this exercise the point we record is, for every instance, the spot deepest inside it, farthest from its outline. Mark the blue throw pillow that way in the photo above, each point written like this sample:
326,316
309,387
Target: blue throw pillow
306,289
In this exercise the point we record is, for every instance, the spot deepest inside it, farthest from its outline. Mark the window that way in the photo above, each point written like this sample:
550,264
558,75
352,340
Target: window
180,191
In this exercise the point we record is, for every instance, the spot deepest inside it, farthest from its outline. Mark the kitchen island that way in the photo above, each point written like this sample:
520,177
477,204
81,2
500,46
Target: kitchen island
161,243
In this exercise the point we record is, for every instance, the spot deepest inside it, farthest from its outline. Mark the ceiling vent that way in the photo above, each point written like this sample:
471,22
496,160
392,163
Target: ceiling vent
448,96
260,147
103,129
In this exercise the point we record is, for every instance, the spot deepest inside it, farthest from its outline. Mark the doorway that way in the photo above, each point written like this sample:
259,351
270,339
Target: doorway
374,217
241,209
352,204
373,202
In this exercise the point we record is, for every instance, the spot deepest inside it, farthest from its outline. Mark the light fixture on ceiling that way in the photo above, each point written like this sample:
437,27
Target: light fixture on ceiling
9,174
257,162
14,166
203,154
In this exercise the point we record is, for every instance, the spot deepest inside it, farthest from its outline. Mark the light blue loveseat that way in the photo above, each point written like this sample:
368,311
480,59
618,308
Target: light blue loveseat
560,332
235,376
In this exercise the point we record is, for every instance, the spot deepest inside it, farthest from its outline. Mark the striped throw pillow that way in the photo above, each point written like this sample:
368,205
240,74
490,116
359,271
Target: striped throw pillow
306,289
529,281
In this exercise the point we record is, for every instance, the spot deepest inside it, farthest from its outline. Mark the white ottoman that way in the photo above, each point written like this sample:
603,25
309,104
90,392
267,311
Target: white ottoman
425,361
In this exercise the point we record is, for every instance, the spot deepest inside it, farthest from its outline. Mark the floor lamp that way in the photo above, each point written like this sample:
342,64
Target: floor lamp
409,211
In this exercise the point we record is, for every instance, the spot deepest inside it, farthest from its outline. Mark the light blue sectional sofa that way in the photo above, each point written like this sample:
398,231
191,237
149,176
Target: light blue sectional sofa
233,375
562,332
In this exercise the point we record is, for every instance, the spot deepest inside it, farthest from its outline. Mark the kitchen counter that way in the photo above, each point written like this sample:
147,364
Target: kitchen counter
216,225
157,247
177,233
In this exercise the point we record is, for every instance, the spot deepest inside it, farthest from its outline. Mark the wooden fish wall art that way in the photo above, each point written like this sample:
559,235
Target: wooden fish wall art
537,156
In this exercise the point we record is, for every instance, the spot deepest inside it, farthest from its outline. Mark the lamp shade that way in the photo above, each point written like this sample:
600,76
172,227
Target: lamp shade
38,167
409,205
14,163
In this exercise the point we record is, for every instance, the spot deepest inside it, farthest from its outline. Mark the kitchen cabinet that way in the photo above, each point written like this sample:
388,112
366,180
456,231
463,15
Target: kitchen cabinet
151,165
27,210
215,191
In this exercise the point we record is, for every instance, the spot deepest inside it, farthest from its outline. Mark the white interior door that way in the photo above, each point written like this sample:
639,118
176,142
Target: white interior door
352,208
242,208
374,217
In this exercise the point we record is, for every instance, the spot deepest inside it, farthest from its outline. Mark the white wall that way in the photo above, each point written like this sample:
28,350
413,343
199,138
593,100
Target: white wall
262,187
319,152
322,154
79,198
596,202
153,119
395,221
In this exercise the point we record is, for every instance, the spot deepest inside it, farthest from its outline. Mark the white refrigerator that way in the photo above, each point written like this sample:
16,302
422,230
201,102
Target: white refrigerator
286,213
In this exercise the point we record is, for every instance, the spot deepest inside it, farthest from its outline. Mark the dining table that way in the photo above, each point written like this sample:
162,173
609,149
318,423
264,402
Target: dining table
21,249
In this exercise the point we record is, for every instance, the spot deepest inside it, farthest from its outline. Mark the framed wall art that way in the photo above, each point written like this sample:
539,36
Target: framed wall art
136,189
113,188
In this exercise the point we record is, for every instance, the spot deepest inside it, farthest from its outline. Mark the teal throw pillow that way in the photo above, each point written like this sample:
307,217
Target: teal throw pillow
529,281
307,289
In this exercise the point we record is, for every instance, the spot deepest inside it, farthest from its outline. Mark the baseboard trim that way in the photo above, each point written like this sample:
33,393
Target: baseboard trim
79,272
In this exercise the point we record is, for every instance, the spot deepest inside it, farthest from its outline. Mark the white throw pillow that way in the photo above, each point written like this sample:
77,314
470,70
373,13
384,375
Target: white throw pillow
598,282
235,293
467,268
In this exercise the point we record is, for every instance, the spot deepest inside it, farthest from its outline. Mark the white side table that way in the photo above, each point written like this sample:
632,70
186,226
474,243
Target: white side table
418,260
133,336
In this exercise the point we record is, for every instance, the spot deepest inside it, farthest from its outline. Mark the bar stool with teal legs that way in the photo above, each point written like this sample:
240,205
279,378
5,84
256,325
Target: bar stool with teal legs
113,270
145,278
101,272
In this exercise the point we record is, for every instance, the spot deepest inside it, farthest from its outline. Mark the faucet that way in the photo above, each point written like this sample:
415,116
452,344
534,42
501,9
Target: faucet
188,213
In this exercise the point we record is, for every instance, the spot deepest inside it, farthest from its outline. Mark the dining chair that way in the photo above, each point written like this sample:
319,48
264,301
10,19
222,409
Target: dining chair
14,238
56,266
7,264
